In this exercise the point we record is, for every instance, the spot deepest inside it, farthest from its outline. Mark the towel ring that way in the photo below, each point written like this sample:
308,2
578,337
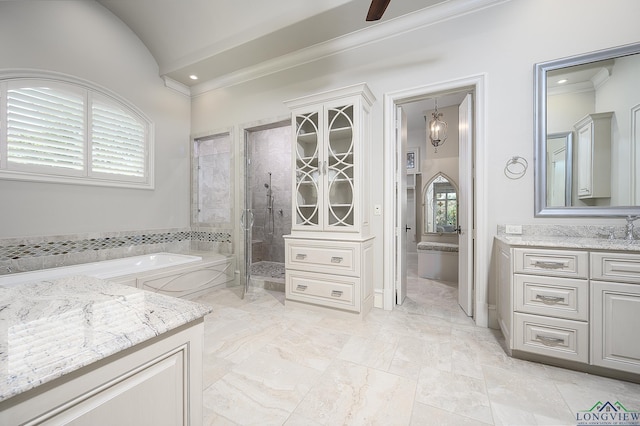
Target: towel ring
516,167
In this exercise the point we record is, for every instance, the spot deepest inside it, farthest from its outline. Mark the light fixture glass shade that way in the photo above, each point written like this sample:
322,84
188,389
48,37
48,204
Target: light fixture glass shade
437,129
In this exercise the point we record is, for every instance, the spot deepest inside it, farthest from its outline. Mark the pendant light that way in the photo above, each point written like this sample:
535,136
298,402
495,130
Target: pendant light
437,129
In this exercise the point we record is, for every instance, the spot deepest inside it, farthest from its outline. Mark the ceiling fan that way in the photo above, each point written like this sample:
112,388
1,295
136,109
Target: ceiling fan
376,10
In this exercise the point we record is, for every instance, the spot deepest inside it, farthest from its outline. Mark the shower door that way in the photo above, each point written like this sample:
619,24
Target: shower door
246,219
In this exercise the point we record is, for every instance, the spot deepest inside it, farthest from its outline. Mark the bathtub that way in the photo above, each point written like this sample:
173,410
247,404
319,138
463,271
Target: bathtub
178,275
438,261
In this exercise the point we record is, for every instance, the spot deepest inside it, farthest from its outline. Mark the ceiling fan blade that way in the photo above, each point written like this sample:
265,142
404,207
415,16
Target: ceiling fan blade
376,10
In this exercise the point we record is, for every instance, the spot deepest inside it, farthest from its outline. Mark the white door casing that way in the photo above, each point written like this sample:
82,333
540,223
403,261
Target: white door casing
481,255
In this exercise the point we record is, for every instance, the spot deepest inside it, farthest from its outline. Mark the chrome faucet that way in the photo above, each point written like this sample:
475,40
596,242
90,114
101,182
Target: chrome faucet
630,220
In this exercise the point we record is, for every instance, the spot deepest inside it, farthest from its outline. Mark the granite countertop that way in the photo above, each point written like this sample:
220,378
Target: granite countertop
584,243
51,328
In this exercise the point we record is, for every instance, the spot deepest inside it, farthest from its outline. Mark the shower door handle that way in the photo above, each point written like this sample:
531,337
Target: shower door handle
243,220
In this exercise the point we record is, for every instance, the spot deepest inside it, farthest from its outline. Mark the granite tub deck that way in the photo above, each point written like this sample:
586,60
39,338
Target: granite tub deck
52,328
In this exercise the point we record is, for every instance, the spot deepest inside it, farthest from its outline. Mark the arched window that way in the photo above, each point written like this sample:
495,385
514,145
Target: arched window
59,129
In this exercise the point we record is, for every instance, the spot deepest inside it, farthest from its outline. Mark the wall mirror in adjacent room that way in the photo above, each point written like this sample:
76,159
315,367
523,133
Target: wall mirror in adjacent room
587,134
440,205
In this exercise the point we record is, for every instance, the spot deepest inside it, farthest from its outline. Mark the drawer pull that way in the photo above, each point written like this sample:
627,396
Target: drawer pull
548,265
336,259
336,293
549,300
301,287
549,341
301,256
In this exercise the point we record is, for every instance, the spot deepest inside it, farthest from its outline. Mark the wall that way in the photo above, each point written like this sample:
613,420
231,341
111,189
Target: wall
502,42
83,39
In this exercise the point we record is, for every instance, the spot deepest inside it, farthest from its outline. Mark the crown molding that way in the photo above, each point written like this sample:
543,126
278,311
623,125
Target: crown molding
375,33
176,85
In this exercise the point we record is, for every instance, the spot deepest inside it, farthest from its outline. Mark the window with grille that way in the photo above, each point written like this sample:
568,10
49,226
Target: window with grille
66,131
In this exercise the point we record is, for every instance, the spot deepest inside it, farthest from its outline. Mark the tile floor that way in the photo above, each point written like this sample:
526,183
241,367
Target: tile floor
424,363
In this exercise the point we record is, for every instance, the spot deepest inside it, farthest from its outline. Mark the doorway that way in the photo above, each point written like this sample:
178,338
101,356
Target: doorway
267,204
393,257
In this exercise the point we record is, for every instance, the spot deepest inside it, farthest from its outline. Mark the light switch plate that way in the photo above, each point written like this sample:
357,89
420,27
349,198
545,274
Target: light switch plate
513,229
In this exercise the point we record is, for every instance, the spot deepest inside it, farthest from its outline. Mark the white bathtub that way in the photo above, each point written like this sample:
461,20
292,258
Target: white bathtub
106,269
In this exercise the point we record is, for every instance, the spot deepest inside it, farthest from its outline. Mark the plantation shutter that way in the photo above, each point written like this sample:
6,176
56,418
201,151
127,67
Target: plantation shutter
118,141
45,128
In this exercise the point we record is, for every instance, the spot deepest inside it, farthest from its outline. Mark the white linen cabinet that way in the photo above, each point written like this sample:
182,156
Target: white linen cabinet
594,155
329,253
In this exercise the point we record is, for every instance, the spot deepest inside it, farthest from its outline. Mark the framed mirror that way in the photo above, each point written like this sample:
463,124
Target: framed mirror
440,208
587,134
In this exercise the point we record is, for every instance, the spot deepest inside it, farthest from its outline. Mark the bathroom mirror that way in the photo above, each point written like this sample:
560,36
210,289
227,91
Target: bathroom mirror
440,208
587,111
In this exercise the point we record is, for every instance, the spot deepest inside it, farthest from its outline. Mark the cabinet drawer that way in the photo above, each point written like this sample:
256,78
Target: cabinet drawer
321,289
559,263
558,297
620,267
558,338
336,257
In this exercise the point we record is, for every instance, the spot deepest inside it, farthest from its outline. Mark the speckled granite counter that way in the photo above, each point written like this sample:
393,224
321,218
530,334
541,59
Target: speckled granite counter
51,328
570,242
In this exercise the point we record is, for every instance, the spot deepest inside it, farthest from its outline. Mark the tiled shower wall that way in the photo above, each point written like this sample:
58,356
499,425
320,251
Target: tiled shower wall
34,253
271,152
212,187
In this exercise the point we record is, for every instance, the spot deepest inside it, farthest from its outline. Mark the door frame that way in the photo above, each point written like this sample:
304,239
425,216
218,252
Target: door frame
480,208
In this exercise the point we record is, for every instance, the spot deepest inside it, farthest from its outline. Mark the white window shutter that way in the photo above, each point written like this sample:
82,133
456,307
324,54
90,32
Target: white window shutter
117,141
45,128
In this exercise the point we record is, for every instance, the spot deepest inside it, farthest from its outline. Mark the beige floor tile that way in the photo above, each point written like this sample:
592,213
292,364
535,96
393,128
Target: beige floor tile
351,394
421,364
519,395
426,415
264,389
308,345
456,393
374,353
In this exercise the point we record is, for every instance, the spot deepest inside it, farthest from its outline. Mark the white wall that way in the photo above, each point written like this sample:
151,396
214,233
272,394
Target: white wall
83,39
502,42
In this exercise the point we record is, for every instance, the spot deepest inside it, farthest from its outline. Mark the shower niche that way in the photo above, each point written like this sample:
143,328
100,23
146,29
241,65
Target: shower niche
329,254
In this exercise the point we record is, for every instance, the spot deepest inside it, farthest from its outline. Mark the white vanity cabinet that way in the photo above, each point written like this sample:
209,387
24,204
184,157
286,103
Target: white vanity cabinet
615,316
594,155
580,308
158,382
329,253
550,291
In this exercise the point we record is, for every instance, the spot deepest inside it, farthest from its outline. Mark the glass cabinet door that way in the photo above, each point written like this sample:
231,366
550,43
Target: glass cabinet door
308,179
340,164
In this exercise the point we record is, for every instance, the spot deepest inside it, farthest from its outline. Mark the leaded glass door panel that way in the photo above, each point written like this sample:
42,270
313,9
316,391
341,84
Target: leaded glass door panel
308,173
340,167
